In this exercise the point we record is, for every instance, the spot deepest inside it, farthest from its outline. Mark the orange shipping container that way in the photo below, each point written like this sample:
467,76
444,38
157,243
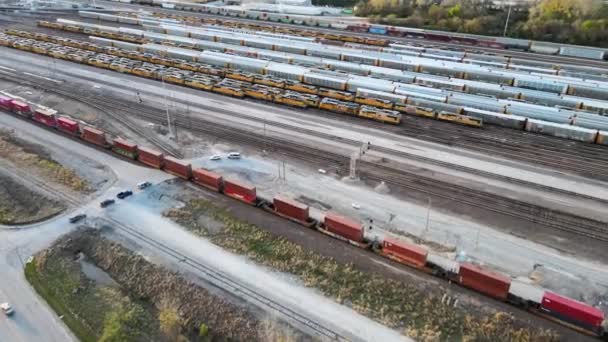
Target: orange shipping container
409,253
94,136
177,167
207,179
490,283
291,208
344,227
125,145
243,192
150,157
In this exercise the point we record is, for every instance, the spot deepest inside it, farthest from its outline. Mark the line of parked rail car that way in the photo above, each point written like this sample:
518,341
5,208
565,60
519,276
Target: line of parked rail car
393,31
303,95
359,42
577,315
400,62
236,83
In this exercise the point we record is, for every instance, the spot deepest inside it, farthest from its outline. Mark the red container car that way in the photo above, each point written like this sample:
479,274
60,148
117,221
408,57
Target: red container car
67,125
572,311
358,28
344,227
490,283
21,108
177,167
406,252
207,179
124,147
5,103
240,191
150,157
94,136
46,117
292,209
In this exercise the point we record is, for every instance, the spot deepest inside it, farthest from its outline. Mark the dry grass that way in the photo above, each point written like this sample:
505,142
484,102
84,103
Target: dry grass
32,157
20,205
395,304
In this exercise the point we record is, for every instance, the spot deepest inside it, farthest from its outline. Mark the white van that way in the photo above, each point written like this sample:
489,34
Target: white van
234,155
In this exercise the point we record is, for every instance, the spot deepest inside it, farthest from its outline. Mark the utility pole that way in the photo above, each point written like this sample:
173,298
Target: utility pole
428,217
504,33
162,79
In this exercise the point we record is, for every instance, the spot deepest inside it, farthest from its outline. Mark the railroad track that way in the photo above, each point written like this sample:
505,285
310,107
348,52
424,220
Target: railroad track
125,121
40,184
569,156
578,165
226,283
428,185
534,213
511,207
583,163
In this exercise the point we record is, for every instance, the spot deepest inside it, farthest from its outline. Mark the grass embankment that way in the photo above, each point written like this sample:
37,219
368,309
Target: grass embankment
92,312
422,315
43,288
33,158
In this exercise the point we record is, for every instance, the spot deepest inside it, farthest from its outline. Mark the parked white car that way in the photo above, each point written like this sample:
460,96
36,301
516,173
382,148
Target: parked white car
215,157
143,185
7,309
234,155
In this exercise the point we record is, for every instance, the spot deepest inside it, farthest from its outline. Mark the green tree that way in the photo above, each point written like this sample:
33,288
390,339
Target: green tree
454,11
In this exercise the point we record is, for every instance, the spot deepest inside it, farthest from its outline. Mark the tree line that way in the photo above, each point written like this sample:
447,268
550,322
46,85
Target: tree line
583,22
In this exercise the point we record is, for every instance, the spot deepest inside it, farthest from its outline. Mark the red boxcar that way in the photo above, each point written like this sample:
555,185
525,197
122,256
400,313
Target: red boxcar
291,208
395,33
46,116
490,283
207,179
94,136
358,28
150,157
407,252
242,192
5,103
344,227
178,167
572,311
20,107
67,125
124,147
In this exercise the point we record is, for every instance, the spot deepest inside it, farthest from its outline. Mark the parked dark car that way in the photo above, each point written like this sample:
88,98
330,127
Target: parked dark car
77,218
106,203
124,194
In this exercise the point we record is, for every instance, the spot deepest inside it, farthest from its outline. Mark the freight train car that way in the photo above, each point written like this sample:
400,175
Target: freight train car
240,191
579,315
417,96
124,148
208,179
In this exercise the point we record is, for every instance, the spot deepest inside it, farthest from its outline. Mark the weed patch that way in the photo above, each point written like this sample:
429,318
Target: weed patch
424,316
33,157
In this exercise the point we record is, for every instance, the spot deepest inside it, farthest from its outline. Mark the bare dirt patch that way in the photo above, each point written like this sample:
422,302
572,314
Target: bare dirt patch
19,205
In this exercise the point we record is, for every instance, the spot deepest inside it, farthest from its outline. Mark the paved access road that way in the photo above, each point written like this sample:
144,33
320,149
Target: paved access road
33,319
